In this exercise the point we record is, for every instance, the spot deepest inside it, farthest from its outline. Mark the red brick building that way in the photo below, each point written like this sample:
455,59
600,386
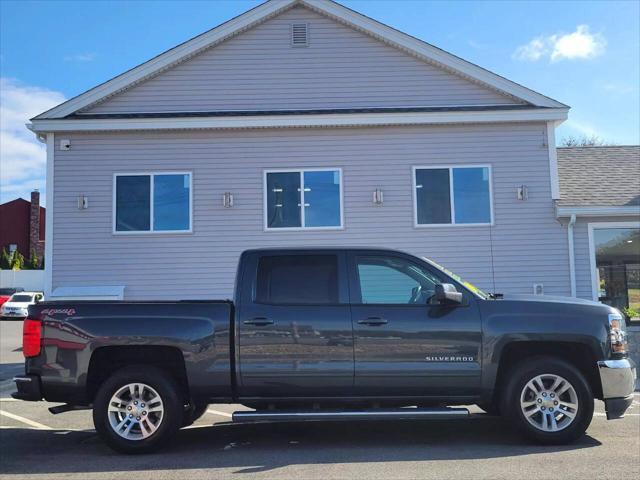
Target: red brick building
22,225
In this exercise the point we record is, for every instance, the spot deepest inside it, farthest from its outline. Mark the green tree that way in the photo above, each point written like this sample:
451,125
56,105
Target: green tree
17,261
5,259
34,261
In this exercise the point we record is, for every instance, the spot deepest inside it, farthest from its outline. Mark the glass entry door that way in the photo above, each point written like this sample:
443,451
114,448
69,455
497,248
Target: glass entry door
617,268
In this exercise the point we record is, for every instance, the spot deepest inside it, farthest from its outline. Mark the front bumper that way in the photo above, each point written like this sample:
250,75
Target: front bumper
29,388
618,380
13,316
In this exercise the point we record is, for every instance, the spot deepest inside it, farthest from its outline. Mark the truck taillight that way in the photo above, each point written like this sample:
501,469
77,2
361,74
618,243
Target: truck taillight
31,337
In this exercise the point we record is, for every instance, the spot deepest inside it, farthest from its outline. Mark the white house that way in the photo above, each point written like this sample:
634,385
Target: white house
300,122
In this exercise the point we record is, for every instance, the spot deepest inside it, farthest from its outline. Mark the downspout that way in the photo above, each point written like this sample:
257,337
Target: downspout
572,259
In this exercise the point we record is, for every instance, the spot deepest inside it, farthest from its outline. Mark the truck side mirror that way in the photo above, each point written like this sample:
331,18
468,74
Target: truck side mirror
446,294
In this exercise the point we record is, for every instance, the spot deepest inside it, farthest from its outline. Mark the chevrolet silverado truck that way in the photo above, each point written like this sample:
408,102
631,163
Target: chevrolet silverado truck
329,334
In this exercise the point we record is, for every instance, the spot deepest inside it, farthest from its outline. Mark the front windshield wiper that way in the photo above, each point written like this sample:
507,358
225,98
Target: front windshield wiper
495,296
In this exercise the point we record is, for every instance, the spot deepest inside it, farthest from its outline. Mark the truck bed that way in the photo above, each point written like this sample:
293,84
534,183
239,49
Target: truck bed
199,331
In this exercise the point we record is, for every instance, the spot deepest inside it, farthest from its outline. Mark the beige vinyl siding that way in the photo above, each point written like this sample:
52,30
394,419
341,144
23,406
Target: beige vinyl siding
529,246
259,70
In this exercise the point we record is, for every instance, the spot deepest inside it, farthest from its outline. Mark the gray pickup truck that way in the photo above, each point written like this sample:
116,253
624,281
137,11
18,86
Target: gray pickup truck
330,334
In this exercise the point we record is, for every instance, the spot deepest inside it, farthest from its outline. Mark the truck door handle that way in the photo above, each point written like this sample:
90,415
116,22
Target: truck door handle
259,321
373,321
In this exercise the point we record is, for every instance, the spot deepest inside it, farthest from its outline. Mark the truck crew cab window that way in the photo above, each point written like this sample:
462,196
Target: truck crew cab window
297,279
394,280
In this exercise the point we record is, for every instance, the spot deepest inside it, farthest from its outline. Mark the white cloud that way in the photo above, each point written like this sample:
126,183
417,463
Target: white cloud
22,156
532,51
581,128
617,88
478,45
80,57
578,45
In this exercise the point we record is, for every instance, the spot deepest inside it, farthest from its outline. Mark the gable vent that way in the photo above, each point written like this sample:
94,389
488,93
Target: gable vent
300,35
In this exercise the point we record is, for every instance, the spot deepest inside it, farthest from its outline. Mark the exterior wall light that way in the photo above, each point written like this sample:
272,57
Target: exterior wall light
378,197
522,192
227,200
83,202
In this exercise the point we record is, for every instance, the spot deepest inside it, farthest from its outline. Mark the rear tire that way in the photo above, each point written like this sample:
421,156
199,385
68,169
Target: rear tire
138,409
549,400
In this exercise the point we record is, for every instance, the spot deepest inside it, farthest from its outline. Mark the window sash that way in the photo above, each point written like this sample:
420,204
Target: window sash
151,176
451,169
302,206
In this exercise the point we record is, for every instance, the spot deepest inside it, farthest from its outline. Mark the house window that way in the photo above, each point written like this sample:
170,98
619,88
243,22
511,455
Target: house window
152,203
452,195
615,263
303,199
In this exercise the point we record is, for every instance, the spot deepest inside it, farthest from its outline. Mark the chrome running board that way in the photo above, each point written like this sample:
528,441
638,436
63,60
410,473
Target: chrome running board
342,415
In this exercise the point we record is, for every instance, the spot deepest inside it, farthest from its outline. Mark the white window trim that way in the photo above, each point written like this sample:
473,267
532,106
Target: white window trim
300,171
451,196
151,231
592,249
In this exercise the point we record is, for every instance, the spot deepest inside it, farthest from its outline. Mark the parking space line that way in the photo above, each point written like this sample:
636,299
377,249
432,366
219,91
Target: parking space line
218,412
10,399
598,414
26,421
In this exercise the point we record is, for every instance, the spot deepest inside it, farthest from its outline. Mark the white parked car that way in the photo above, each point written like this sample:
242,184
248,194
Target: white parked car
18,304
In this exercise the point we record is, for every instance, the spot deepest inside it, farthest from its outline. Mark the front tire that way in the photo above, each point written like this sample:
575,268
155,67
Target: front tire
138,409
549,400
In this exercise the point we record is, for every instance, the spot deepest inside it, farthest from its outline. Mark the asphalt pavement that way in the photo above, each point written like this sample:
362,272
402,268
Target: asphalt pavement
35,444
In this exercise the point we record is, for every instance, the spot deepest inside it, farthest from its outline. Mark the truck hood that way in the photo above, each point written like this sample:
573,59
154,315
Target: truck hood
550,299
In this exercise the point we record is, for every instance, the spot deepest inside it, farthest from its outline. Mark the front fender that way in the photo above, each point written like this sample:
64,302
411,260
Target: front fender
506,322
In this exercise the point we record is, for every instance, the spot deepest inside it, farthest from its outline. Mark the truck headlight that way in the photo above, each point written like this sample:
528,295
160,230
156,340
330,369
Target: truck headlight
617,334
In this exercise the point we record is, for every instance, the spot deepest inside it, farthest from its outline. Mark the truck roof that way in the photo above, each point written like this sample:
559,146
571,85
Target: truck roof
322,249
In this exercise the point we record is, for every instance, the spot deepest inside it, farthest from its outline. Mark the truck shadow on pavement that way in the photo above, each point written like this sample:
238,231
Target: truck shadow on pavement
8,370
252,448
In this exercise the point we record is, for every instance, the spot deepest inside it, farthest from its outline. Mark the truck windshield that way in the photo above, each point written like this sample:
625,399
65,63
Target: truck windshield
472,288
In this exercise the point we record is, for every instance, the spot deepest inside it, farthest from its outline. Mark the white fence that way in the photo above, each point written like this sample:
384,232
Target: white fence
30,280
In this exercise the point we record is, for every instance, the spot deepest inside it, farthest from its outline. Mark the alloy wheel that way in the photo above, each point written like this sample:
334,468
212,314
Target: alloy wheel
135,411
549,402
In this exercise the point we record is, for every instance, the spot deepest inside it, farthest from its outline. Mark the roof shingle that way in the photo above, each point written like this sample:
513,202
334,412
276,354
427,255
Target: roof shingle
599,176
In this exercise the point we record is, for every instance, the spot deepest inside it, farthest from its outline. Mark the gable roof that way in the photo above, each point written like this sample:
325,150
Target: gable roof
600,176
16,200
271,8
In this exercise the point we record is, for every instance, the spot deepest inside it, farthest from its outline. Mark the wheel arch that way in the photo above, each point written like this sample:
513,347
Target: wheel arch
106,360
580,355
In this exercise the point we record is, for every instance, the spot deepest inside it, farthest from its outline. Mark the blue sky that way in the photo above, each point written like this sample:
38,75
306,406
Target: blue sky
585,54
